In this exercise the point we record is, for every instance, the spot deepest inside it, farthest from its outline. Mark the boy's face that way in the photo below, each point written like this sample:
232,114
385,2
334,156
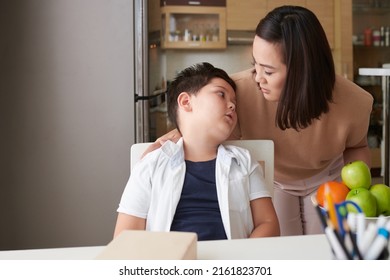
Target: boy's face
214,108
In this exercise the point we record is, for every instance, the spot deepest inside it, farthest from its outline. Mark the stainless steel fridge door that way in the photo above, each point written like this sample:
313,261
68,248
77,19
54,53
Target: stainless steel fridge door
141,71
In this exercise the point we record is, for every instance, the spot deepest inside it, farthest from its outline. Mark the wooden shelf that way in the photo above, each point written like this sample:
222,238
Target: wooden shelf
371,10
189,27
371,48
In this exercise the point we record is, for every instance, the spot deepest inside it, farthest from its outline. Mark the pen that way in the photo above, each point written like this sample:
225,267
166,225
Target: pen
320,213
367,238
351,219
331,208
379,243
337,243
352,239
360,227
381,222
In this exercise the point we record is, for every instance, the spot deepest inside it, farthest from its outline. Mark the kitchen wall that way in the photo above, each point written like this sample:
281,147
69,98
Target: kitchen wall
166,63
66,122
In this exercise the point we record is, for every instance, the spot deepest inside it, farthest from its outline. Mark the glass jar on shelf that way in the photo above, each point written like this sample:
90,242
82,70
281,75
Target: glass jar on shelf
194,27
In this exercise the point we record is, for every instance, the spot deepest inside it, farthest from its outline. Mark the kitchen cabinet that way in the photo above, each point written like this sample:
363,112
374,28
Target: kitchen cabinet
193,27
325,11
334,15
371,51
244,15
154,20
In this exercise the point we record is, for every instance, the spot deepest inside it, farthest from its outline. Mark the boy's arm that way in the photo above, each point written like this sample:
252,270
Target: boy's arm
265,220
128,222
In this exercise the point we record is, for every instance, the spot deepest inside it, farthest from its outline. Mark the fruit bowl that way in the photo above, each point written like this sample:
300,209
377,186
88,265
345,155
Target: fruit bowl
375,219
368,219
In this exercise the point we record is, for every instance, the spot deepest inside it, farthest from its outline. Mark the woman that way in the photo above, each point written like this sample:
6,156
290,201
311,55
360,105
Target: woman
317,120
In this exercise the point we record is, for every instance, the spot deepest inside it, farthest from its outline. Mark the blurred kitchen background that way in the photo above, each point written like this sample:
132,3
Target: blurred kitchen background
82,80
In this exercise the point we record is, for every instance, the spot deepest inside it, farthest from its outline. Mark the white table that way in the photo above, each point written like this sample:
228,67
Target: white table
75,253
309,247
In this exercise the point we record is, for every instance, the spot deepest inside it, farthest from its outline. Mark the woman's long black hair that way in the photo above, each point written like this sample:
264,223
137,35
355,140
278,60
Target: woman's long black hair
310,68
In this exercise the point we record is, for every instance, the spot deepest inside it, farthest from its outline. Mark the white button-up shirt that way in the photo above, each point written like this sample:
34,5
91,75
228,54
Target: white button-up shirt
156,181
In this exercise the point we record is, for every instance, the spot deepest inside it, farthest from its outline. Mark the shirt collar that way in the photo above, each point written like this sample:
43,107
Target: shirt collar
226,155
175,152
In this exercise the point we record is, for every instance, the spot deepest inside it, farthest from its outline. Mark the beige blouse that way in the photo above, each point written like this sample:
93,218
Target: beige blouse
301,155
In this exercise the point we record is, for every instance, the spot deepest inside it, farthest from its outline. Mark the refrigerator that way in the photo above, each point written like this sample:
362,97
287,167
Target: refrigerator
67,120
149,100
141,69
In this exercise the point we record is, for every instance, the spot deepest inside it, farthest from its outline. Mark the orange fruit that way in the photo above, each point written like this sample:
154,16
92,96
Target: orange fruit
338,191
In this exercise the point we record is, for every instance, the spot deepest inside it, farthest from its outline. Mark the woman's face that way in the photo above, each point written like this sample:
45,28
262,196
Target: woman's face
270,70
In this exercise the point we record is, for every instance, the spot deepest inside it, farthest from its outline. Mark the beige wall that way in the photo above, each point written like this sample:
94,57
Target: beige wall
66,83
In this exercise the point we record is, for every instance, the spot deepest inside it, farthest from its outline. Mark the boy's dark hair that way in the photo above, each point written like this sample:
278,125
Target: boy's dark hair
191,80
310,69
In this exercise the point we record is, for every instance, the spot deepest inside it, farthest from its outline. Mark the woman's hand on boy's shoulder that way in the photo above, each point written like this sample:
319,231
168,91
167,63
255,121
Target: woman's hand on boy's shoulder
173,135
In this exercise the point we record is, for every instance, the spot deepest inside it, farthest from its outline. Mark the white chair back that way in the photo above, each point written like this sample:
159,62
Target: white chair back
136,152
261,150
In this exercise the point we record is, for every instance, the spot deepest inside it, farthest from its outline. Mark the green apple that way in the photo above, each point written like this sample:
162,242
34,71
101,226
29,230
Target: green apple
356,174
381,192
365,200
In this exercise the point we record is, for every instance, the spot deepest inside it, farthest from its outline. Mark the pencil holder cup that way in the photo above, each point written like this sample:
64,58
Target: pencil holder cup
352,255
352,235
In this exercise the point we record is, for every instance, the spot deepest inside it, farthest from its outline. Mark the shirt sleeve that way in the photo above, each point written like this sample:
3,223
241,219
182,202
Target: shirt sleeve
136,197
257,185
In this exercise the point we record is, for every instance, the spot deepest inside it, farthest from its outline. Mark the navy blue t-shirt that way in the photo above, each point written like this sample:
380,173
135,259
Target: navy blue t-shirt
198,209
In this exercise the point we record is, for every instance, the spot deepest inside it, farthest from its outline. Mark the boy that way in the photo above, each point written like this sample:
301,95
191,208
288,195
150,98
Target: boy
197,184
